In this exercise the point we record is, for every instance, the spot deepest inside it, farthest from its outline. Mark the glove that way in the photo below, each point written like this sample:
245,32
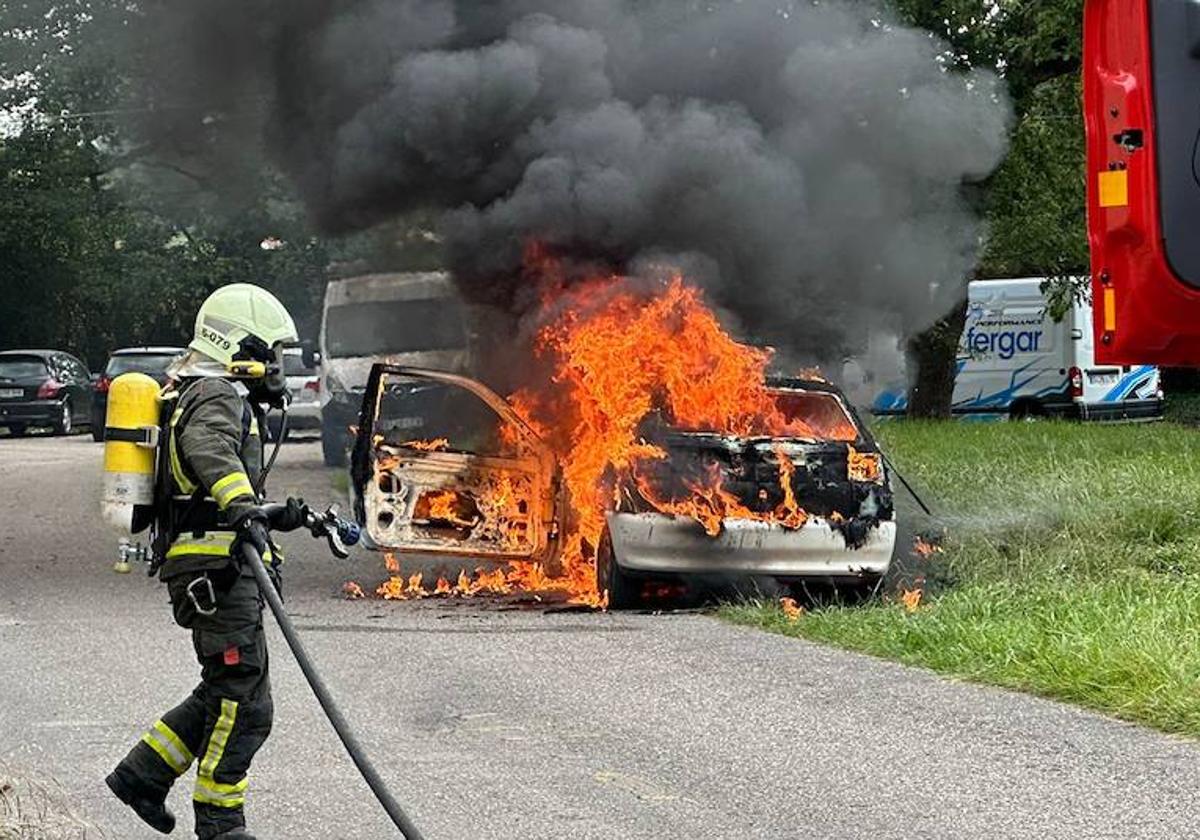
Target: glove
289,517
252,530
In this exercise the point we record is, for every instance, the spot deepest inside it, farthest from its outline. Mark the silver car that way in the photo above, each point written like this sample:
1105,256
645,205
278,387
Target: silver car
432,477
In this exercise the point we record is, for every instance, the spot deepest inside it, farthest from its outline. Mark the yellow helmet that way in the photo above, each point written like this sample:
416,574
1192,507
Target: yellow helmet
237,317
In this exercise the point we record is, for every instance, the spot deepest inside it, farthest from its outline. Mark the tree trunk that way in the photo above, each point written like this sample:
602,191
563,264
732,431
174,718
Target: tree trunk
933,365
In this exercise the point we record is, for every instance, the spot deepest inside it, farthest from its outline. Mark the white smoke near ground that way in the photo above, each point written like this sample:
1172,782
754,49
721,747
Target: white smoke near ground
804,161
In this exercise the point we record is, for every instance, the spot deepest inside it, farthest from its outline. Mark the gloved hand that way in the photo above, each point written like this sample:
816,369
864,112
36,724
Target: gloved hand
252,529
289,517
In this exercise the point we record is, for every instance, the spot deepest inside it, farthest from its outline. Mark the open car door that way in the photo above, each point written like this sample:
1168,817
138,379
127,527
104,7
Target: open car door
444,466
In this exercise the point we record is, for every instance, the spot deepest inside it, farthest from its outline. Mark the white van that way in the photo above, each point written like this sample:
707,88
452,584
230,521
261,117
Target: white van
1015,361
415,319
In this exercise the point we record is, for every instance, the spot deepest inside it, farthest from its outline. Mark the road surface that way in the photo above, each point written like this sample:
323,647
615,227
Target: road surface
526,725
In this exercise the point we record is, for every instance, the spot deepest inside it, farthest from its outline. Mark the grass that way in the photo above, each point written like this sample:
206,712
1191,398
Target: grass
1072,566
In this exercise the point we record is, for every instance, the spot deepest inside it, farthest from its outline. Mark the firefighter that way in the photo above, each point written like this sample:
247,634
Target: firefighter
212,466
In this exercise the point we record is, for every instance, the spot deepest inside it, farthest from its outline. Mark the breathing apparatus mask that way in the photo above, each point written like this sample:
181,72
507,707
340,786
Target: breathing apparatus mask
261,369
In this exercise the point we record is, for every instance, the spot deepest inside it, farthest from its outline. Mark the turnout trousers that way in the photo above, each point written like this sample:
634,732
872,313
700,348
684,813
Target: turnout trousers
227,718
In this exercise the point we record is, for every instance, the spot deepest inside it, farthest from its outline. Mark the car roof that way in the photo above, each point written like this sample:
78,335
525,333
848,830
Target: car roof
42,353
149,349
805,383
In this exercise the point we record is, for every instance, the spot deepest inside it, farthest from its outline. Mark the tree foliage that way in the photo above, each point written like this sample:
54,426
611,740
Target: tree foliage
1035,203
101,244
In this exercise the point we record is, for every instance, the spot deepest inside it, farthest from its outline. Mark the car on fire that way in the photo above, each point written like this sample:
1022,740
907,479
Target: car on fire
445,467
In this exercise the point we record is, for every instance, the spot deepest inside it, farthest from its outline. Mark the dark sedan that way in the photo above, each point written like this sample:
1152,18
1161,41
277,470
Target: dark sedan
46,388
152,361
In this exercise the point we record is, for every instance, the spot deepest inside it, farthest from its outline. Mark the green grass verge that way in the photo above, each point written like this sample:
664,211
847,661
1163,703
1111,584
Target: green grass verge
1074,553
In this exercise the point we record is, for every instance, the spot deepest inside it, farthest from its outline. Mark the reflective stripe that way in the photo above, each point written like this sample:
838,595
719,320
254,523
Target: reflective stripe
214,544
212,792
232,486
185,484
218,739
169,747
253,427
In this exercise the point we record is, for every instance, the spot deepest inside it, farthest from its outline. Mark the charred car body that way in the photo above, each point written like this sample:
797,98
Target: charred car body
473,480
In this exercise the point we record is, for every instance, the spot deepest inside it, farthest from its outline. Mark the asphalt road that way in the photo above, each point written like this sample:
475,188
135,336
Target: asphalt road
522,724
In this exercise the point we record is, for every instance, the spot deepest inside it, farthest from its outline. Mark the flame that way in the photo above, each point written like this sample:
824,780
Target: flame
353,591
791,610
447,506
911,599
864,466
620,353
925,549
438,445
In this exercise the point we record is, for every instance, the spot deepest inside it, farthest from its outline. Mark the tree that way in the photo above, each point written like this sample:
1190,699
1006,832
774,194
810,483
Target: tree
103,244
1035,202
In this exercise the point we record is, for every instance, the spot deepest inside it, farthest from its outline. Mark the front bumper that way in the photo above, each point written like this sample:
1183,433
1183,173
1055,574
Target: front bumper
38,413
653,542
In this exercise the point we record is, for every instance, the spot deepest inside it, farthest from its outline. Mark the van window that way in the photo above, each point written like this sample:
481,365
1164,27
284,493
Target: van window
395,326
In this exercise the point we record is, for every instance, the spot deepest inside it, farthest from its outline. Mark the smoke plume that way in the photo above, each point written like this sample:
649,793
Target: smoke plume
805,161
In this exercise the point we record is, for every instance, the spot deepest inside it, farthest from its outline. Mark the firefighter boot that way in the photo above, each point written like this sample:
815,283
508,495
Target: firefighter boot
154,812
235,834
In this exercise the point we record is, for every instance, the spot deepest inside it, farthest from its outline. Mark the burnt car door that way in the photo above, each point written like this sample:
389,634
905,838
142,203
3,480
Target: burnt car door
442,465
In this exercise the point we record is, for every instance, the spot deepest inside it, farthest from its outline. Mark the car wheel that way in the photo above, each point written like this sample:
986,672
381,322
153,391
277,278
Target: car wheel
333,446
622,588
65,424
1027,412
17,429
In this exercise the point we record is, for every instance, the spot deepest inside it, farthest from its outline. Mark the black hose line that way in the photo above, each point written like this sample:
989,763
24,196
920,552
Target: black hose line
908,487
340,725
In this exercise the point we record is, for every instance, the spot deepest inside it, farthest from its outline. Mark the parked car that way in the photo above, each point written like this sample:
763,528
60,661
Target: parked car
304,386
433,475
152,361
43,388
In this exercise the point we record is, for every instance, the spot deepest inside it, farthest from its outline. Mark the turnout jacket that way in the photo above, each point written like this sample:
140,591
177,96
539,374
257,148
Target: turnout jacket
215,454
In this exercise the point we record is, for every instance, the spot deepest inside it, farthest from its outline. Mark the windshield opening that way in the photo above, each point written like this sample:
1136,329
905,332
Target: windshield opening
395,326
823,413
21,367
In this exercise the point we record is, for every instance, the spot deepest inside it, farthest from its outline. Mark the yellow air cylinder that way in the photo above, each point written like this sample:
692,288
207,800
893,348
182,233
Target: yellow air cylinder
130,442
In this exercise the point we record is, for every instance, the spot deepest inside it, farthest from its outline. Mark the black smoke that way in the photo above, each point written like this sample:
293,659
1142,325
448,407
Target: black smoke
805,161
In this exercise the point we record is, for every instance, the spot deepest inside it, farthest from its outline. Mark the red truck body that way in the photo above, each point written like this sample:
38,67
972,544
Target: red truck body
1142,107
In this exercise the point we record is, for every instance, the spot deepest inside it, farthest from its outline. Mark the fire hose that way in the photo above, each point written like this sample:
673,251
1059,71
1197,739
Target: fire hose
339,533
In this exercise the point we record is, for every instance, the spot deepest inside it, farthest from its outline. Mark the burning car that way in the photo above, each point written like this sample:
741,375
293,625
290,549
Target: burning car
445,467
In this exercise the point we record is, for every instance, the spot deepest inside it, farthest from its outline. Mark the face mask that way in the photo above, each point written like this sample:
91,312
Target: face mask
271,389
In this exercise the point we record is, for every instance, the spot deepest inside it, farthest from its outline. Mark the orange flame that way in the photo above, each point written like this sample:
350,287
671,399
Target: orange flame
438,445
620,351
911,599
791,610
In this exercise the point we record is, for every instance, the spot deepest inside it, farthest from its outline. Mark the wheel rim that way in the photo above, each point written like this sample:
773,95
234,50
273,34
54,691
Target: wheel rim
66,418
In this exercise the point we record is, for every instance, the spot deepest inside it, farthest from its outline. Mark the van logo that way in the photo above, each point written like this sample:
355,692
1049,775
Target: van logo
1004,343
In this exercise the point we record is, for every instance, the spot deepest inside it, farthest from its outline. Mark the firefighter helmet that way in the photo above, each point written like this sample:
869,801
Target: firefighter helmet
238,320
